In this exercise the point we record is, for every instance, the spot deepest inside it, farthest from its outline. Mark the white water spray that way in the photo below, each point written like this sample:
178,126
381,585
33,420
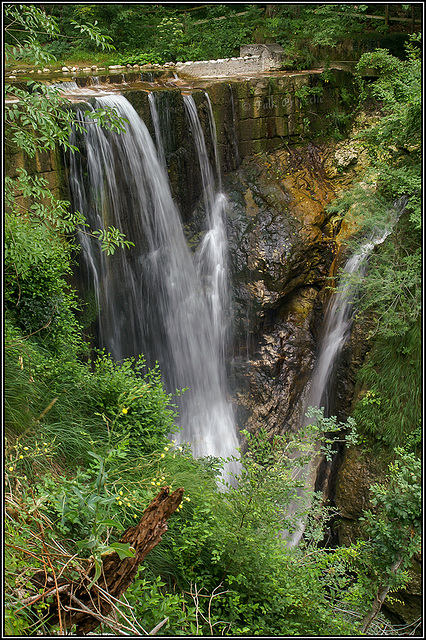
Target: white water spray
151,298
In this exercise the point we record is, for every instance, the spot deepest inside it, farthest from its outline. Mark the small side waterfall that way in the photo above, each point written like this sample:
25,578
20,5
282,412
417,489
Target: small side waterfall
153,97
151,298
66,86
337,324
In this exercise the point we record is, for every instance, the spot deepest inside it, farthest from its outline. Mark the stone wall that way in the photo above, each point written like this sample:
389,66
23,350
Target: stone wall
221,68
252,116
254,58
266,113
45,164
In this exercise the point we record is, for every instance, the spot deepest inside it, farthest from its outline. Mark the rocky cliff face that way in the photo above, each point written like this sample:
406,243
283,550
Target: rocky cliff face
283,248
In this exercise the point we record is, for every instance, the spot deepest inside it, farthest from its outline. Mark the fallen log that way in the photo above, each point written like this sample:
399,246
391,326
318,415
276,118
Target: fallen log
86,605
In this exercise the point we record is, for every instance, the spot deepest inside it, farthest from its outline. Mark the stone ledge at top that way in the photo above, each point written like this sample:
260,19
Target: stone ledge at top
255,58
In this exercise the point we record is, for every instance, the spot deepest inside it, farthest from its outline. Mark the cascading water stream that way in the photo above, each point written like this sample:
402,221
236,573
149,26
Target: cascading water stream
213,136
152,98
211,256
151,297
336,330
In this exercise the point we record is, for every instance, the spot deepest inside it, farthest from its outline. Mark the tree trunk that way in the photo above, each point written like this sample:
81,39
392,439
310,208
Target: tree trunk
270,10
386,15
378,600
116,575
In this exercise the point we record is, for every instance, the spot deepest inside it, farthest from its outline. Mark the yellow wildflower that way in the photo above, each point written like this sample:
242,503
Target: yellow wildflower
120,503
21,457
162,455
124,410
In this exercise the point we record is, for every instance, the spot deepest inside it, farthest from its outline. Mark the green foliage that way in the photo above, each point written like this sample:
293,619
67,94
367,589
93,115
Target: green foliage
389,300
394,141
152,601
29,20
223,567
392,286
305,92
133,401
84,404
390,410
138,56
112,238
150,34
226,550
29,27
326,24
299,28
394,523
93,34
392,528
331,431
35,119
146,34
37,295
88,443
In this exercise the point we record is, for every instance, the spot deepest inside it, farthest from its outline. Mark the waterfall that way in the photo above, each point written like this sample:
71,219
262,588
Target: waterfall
211,256
213,136
336,330
151,298
338,314
68,86
153,98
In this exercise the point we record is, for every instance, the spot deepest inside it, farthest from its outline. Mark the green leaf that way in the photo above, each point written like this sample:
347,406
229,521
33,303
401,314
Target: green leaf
98,569
123,550
78,493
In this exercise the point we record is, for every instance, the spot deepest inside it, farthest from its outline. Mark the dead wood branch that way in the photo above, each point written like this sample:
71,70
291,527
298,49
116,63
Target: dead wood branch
116,575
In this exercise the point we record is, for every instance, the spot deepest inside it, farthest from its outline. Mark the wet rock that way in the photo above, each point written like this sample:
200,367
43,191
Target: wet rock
345,160
280,260
359,470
